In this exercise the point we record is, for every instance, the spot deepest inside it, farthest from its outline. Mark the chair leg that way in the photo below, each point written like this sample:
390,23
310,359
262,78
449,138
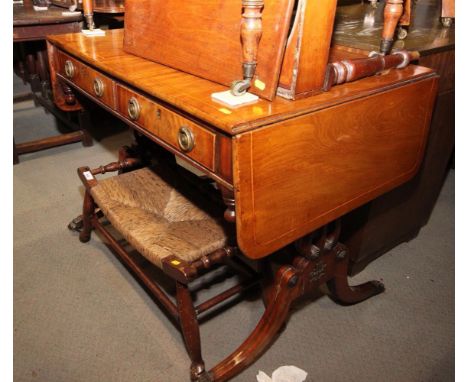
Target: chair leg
88,212
190,330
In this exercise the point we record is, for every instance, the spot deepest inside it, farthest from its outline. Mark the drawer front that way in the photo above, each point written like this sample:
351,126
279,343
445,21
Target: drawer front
90,80
187,137
138,109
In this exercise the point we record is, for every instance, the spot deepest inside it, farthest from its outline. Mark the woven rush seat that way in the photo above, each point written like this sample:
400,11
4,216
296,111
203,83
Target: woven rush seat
157,219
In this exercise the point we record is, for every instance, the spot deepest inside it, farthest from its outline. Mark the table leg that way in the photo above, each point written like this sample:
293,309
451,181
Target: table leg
319,260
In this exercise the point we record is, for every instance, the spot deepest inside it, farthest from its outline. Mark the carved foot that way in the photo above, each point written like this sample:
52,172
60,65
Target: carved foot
339,287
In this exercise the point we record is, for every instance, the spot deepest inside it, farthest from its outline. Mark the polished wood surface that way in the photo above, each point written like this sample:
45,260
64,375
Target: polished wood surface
23,15
345,71
192,95
335,160
203,38
383,104
31,25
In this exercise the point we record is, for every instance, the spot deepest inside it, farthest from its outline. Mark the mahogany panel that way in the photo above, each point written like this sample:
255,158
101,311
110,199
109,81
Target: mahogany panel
84,77
444,64
148,110
166,125
202,37
325,164
204,141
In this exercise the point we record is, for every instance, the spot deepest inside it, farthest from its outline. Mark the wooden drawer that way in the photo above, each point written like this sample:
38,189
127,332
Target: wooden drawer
185,136
145,112
90,80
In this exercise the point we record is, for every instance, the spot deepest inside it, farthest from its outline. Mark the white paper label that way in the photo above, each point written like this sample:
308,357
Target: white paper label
88,175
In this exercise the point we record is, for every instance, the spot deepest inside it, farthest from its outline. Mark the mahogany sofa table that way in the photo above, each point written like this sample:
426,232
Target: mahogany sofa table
30,28
284,168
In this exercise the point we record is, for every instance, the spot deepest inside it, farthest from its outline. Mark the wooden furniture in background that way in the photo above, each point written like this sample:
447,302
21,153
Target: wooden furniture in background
29,31
283,168
100,6
97,12
398,216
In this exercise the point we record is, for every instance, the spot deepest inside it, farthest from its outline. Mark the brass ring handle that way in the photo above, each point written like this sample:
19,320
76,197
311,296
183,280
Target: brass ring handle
186,139
98,87
133,109
69,69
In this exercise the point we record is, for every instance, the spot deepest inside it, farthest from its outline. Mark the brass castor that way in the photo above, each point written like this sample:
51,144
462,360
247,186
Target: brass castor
76,224
402,33
240,87
446,21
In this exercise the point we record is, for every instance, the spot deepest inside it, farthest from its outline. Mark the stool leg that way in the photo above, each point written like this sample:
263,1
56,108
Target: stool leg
88,212
190,330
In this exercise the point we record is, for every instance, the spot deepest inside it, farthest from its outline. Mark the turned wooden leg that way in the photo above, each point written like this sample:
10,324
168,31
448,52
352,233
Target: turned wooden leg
251,33
339,287
448,12
88,212
392,13
88,13
190,330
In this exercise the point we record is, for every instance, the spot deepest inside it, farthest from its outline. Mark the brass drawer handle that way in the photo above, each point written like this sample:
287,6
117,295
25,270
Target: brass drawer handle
186,139
98,87
69,69
133,109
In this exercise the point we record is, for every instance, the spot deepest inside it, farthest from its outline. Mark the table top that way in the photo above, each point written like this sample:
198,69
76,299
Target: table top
25,15
360,26
193,94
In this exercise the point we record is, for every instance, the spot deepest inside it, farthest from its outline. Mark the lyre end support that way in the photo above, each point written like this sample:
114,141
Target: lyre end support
392,13
251,33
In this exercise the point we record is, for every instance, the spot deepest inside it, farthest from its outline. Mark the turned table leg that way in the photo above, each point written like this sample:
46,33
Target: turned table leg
448,12
392,13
